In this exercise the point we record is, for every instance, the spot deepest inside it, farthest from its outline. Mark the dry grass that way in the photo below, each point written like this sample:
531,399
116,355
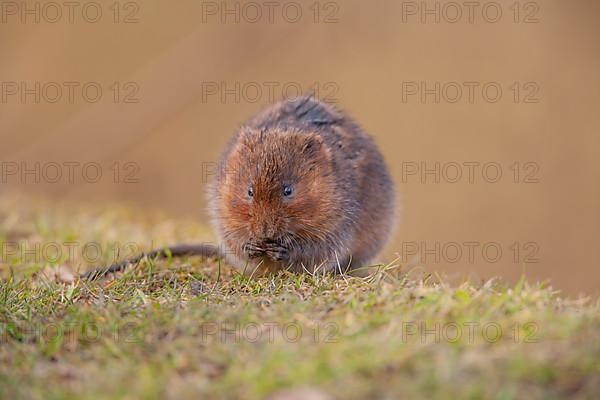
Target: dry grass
191,327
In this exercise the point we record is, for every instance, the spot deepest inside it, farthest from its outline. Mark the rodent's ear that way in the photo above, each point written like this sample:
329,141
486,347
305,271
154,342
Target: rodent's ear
312,144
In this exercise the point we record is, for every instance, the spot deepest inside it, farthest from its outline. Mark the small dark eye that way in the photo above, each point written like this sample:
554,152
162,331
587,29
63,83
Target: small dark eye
250,192
287,190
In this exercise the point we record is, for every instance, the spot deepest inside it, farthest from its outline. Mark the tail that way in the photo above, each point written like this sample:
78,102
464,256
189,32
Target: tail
205,250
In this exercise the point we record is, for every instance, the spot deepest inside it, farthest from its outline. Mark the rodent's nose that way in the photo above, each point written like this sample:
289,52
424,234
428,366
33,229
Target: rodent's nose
267,231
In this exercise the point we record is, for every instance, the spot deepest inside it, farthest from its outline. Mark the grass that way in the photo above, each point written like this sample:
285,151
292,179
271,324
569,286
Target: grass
191,328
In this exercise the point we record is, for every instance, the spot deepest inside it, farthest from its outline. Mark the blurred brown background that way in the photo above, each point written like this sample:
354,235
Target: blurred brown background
365,58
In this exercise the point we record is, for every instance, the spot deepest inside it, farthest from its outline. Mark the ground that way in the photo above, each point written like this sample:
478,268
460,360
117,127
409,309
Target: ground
186,328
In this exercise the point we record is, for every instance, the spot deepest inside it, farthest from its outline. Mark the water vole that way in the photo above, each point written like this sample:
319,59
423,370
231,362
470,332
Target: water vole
300,187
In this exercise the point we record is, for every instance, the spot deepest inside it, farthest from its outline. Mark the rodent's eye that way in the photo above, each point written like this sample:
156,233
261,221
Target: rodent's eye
250,192
287,190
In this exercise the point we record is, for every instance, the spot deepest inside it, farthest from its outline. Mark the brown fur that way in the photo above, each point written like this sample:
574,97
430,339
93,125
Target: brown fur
341,210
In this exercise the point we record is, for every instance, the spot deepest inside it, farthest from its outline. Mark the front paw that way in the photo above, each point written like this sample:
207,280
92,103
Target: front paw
271,250
253,250
278,253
